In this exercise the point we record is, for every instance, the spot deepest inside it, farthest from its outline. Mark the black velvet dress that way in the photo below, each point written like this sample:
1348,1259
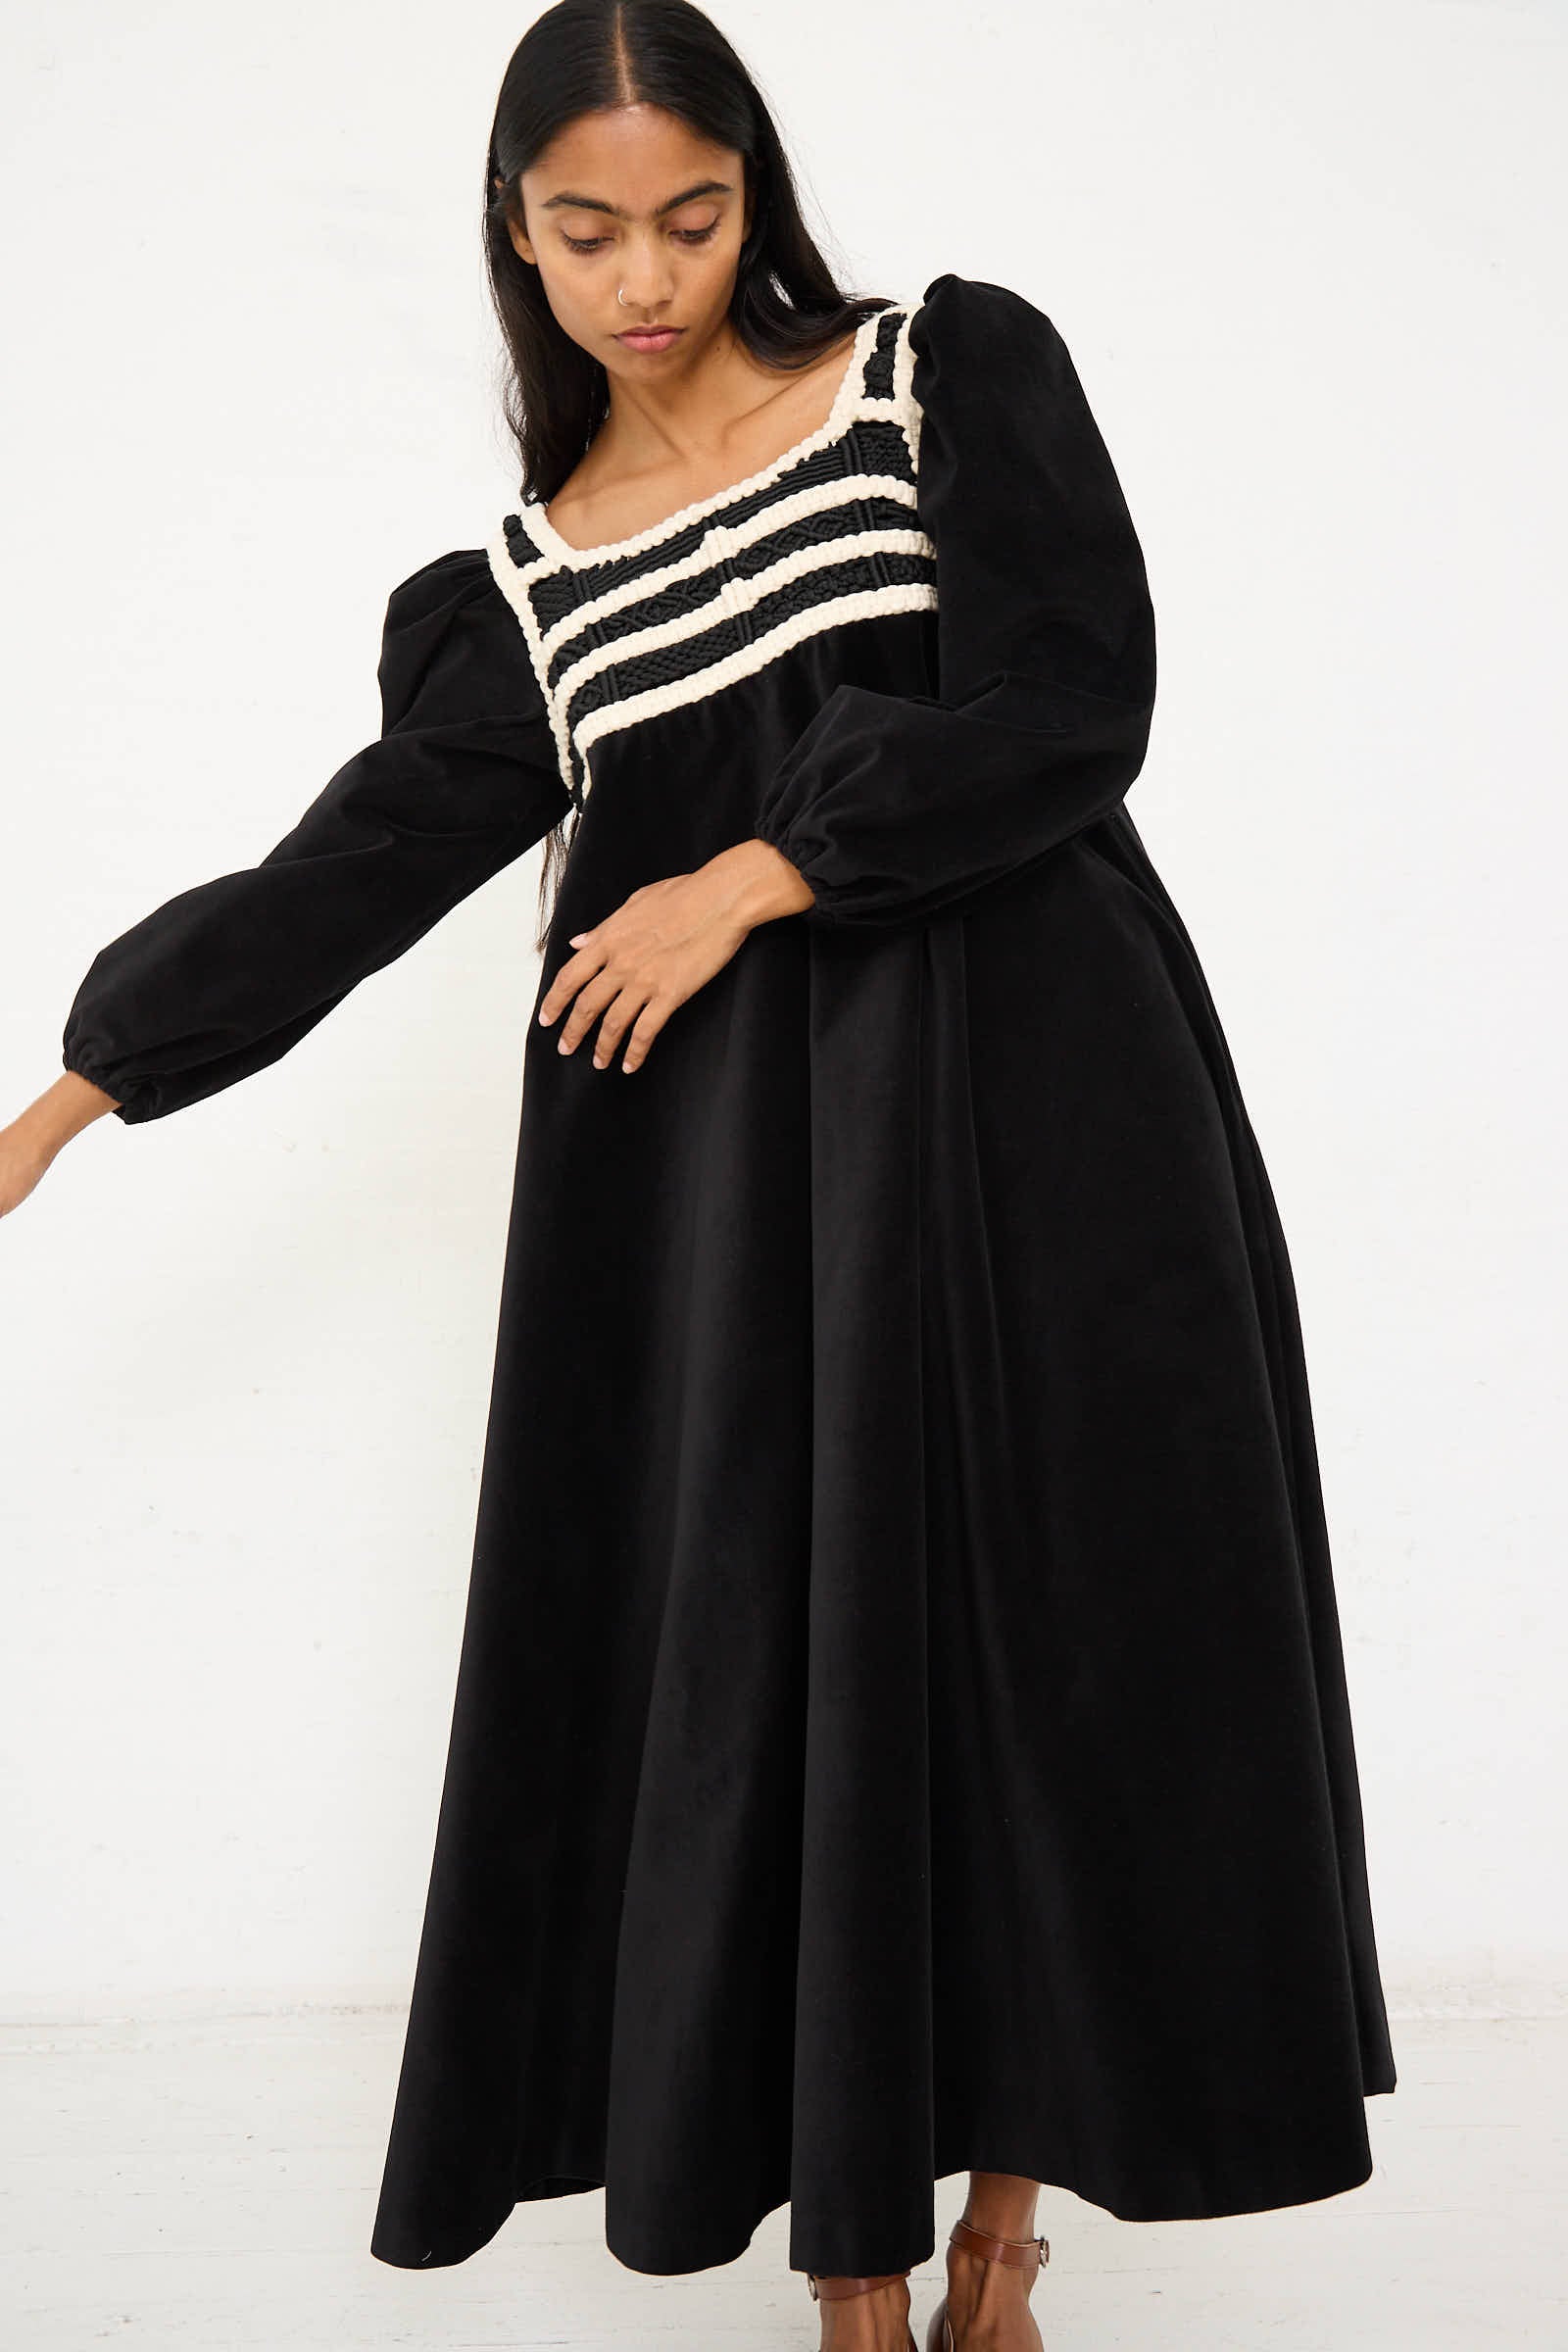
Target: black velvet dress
901,1723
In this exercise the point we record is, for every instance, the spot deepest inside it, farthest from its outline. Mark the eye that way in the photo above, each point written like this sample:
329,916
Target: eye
687,236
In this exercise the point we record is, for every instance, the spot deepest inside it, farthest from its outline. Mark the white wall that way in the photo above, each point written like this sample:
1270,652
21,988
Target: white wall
1301,259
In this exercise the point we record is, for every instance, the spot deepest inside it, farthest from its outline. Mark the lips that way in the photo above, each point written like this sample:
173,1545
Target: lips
656,338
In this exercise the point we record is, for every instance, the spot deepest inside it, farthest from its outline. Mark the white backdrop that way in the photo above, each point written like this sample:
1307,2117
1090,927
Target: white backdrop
1304,262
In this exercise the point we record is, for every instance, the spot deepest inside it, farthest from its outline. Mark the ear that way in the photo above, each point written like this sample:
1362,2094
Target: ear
522,244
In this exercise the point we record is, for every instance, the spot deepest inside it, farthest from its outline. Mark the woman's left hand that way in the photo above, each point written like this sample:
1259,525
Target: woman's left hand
662,943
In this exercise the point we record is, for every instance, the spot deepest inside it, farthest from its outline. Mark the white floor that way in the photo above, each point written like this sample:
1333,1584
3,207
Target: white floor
212,2184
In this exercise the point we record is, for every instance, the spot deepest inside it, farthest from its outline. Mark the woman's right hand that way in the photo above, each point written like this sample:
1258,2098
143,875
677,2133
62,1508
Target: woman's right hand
27,1146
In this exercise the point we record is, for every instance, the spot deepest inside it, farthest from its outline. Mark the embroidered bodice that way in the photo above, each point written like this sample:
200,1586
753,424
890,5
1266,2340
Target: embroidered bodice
824,534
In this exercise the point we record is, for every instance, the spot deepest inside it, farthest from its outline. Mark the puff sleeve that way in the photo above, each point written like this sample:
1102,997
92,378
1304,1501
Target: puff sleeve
226,976
894,807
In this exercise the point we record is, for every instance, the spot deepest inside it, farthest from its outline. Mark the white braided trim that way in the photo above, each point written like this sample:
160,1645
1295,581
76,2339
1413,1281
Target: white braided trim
862,604
729,596
512,584
723,539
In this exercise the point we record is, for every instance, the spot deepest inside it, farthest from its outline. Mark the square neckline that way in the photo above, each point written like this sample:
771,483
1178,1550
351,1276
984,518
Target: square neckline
543,530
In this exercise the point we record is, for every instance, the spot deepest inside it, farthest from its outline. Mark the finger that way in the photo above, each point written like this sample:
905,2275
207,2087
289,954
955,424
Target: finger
618,1019
565,984
645,1029
596,992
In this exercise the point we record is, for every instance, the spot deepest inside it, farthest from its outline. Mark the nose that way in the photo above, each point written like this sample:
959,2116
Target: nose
645,285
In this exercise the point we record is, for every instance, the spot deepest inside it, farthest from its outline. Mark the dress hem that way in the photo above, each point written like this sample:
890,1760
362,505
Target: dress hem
1212,2194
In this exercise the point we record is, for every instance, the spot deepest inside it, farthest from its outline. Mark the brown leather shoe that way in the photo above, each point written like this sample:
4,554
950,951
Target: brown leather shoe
1019,2253
829,2290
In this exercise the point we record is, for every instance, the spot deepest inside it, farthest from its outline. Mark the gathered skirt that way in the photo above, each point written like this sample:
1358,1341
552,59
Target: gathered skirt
901,1724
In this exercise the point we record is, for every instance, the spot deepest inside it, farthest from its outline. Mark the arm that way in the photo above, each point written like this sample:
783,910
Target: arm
227,976
892,807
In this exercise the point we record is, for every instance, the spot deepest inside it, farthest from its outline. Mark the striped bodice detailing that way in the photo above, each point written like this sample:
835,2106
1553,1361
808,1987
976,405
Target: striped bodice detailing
825,534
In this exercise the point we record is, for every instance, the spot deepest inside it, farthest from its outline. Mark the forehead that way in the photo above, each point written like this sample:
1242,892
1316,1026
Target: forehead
634,160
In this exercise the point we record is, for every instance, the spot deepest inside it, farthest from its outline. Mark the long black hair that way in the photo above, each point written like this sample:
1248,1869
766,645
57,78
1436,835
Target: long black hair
585,56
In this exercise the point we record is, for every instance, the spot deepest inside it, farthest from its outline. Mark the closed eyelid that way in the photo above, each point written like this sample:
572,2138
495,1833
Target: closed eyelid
690,236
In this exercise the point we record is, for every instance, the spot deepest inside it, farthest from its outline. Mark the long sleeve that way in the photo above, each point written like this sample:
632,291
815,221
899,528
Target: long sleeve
894,806
225,977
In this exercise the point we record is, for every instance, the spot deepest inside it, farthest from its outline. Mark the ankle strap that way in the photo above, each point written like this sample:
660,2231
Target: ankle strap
1019,2253
829,2290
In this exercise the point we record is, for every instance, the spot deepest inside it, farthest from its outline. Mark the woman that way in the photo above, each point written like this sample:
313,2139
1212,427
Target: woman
900,1725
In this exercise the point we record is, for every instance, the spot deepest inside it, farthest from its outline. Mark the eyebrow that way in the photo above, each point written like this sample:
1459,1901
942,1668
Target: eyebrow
597,204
